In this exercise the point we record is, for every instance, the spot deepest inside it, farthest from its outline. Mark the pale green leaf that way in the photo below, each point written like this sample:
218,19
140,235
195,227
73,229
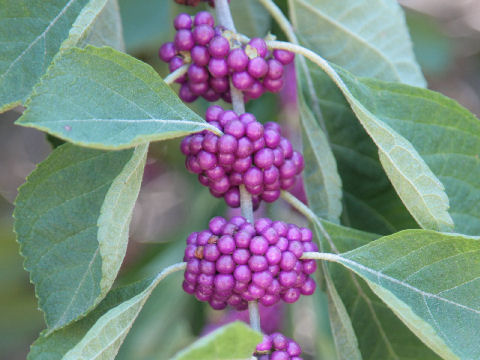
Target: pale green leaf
101,333
72,220
322,182
367,37
344,336
98,24
235,341
250,18
99,97
370,202
380,334
442,132
32,33
418,187
431,281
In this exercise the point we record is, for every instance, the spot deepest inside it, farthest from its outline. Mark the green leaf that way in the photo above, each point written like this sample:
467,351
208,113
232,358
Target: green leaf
101,98
430,281
367,37
380,334
322,181
34,31
99,24
31,33
344,336
444,133
370,202
250,18
418,187
72,219
100,334
235,341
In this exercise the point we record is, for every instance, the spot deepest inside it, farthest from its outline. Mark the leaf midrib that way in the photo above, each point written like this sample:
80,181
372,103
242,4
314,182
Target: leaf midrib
42,35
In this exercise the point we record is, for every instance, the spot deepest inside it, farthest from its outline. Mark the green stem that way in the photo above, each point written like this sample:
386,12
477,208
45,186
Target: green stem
310,215
176,74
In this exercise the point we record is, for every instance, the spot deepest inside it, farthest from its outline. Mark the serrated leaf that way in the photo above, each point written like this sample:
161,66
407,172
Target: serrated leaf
101,98
358,33
72,219
34,31
322,182
235,341
430,281
250,18
100,334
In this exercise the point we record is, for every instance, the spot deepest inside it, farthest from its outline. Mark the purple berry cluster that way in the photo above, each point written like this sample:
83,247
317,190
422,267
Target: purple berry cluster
248,153
234,262
196,2
278,347
214,56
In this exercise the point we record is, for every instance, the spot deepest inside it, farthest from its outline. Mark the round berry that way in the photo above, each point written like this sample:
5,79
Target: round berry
258,67
285,57
237,60
182,21
260,45
167,51
184,40
204,18
219,47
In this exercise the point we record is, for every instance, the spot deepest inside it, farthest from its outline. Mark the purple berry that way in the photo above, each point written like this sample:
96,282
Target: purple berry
242,273
182,21
253,177
219,84
226,244
204,18
232,197
275,69
260,45
200,55
167,51
186,94
273,85
258,67
235,128
237,60
202,34
242,80
258,245
257,263
285,57
227,144
264,158
219,47
184,40
218,67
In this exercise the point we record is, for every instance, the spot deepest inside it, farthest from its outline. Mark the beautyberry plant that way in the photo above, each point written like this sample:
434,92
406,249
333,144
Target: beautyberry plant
390,172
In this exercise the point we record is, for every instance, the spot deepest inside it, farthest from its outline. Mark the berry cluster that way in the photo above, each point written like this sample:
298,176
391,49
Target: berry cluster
248,153
235,262
195,2
214,55
278,347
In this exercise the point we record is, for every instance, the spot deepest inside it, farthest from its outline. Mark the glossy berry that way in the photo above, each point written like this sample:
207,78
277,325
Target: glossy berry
278,347
247,262
248,153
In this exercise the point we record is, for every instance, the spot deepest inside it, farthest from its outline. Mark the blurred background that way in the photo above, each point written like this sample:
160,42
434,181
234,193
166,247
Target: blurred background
446,36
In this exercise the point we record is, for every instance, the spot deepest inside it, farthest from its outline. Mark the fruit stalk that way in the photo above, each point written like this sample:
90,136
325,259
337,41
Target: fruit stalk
224,17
